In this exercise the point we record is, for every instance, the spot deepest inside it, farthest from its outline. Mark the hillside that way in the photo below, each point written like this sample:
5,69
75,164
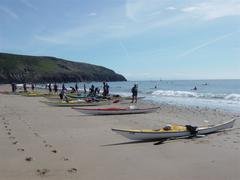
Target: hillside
40,69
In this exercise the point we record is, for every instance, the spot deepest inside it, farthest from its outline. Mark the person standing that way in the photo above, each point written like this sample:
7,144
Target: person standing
134,93
25,87
107,89
104,89
32,86
63,87
84,88
55,88
50,88
91,90
14,87
76,87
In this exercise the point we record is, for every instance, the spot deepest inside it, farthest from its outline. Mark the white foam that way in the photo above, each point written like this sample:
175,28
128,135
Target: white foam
189,94
233,97
170,93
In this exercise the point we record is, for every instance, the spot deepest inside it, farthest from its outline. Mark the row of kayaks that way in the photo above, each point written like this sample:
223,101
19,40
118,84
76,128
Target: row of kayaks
167,132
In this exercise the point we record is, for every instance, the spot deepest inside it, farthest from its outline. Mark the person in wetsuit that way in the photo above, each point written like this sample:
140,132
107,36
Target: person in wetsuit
134,93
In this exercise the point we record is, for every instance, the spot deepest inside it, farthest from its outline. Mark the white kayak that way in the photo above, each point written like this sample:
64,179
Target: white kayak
115,111
176,131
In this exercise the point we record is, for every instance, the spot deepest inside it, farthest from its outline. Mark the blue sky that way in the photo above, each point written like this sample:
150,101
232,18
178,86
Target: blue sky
141,39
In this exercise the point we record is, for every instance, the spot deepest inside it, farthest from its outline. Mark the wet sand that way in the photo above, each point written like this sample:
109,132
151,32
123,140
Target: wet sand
42,142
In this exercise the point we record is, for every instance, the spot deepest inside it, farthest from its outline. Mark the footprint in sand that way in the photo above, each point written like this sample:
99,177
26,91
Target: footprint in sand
48,145
12,137
36,134
20,149
72,170
54,151
42,172
65,158
28,159
15,142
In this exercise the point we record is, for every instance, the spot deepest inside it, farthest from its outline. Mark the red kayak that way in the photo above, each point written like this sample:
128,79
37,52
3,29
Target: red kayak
115,110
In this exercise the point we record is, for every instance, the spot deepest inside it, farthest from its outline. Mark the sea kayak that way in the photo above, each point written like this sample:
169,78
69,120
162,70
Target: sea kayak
176,131
116,110
73,103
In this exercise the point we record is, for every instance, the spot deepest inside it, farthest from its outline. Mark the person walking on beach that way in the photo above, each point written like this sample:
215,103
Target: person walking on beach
134,93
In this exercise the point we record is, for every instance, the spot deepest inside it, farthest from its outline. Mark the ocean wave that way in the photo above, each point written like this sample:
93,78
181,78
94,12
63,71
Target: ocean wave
233,97
170,93
189,94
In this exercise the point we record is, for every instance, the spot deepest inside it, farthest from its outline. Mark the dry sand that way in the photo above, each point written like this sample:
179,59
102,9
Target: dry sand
42,142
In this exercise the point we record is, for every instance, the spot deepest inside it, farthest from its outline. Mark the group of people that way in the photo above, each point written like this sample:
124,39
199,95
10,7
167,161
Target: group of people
52,89
14,87
93,91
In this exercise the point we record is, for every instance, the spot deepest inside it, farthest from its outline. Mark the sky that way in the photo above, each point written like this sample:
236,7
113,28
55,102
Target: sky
141,39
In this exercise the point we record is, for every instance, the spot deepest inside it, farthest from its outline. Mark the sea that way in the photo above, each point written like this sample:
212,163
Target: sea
217,94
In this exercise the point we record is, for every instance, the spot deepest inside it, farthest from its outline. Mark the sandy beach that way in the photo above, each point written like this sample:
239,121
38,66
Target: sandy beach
42,142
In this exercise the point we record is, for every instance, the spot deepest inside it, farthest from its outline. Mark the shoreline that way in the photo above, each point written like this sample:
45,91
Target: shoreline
42,142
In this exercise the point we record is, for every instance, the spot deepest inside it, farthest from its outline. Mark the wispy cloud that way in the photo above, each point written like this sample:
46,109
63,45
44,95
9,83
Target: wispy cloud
9,12
139,16
213,9
133,18
92,14
171,8
28,4
142,10
205,44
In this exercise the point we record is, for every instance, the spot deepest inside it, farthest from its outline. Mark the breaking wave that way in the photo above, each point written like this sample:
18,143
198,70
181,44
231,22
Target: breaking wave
189,94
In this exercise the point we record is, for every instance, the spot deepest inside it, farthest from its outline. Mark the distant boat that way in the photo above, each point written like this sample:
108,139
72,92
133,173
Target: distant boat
176,131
